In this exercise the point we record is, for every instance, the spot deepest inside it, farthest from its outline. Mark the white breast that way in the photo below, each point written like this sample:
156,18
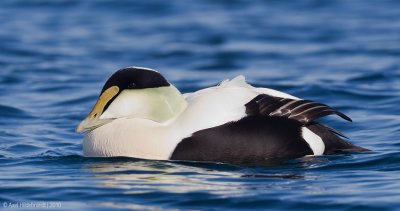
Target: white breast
135,137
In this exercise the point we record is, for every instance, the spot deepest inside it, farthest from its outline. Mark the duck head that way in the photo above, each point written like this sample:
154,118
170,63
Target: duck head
135,92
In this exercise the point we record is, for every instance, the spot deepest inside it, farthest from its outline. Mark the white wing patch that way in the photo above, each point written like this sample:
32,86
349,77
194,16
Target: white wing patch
238,81
315,142
275,93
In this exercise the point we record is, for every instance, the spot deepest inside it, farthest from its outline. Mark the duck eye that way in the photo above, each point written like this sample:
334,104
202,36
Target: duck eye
131,86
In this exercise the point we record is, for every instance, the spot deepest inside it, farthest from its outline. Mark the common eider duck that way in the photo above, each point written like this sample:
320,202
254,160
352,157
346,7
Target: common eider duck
140,114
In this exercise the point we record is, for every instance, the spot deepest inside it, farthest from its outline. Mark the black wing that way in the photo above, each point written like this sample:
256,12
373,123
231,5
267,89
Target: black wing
303,111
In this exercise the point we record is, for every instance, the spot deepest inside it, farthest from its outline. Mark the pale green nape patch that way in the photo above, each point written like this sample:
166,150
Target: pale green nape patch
158,104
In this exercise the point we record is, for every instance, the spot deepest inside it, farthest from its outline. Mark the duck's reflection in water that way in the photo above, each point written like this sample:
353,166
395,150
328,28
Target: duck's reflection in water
165,182
142,176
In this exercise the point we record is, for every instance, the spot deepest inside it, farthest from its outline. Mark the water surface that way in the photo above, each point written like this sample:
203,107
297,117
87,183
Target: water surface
56,55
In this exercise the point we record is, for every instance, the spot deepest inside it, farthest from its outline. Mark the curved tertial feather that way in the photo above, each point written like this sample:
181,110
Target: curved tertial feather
304,111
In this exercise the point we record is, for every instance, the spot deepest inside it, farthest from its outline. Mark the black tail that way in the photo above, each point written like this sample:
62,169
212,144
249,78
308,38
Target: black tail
333,144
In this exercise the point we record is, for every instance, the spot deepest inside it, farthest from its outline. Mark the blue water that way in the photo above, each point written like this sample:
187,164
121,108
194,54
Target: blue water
56,55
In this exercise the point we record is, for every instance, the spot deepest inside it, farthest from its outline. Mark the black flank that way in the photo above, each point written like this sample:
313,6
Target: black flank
251,139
